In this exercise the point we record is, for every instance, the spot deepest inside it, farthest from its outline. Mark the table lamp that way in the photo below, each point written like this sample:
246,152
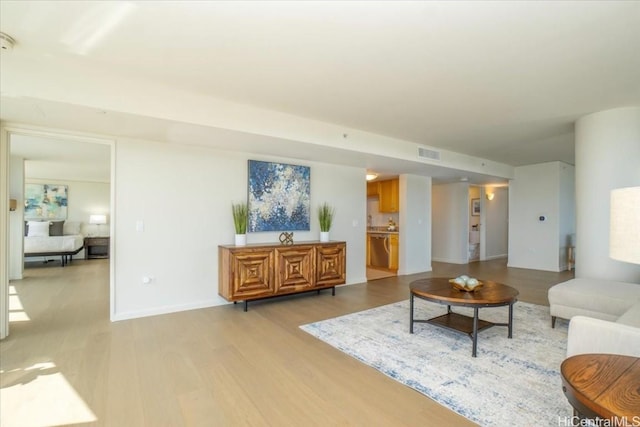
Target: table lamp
98,220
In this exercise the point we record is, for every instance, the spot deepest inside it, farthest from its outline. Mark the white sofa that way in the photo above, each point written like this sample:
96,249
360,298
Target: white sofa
604,315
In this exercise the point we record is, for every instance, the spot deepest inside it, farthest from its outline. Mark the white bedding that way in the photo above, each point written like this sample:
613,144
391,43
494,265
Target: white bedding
53,244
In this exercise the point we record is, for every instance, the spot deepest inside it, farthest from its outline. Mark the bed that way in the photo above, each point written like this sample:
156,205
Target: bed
53,238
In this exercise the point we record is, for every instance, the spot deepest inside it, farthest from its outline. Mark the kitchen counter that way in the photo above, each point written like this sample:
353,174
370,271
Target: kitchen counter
381,230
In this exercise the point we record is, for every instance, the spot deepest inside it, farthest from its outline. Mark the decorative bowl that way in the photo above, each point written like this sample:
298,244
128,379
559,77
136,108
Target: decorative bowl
465,287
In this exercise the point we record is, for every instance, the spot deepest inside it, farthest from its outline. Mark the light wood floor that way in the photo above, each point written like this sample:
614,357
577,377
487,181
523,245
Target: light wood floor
210,367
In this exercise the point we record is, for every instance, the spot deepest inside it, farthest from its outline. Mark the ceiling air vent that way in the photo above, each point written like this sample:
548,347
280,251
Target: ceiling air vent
427,153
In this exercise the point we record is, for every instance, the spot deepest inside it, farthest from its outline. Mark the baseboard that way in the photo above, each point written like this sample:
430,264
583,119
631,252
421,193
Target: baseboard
489,258
450,261
408,272
553,270
166,310
355,281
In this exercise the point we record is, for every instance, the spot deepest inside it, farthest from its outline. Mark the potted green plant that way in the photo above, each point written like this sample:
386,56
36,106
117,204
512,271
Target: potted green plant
325,217
240,219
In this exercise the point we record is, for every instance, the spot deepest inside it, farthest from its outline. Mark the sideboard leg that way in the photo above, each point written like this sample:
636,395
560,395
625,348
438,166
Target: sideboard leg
246,305
333,291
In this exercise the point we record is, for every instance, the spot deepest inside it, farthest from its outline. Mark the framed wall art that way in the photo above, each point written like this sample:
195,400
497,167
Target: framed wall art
45,201
279,197
475,207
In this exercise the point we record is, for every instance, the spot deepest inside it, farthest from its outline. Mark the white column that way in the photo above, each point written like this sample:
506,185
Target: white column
4,232
16,218
607,157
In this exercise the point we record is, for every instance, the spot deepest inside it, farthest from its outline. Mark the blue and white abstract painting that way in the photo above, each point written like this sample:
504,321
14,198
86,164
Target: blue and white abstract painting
279,197
45,201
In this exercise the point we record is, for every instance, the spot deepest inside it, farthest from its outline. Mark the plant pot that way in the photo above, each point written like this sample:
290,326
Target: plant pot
241,239
324,236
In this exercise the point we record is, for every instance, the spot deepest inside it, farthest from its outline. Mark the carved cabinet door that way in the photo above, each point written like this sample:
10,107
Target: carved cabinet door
294,269
252,273
330,264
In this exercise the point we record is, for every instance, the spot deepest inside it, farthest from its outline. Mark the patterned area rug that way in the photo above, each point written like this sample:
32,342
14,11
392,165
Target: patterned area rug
511,382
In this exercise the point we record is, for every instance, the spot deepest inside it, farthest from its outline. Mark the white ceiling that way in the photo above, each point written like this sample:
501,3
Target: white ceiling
65,160
503,81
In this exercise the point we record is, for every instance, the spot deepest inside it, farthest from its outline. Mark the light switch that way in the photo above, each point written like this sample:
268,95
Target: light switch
139,226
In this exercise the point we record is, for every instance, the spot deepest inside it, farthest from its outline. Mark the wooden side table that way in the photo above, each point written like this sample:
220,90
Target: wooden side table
604,386
96,247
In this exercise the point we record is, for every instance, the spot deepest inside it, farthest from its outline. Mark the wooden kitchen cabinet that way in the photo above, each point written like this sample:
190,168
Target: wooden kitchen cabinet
393,251
259,271
389,190
373,189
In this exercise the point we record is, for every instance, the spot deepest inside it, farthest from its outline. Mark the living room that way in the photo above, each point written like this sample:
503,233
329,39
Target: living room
180,152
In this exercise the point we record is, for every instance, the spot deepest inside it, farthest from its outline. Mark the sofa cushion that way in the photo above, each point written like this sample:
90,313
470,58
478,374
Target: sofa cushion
589,335
631,317
595,296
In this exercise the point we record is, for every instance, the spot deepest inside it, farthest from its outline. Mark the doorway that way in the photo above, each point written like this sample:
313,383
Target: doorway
475,209
83,166
383,219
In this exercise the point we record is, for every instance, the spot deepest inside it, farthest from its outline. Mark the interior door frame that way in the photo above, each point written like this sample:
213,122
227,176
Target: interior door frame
6,130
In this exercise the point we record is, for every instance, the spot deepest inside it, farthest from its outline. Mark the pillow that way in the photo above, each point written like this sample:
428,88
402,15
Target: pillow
38,229
55,228
71,227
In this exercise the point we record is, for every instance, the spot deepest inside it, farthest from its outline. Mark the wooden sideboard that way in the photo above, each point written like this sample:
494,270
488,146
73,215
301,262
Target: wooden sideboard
259,271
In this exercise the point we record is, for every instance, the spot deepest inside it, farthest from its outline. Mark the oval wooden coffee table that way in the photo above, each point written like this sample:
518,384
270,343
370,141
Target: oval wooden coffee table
440,291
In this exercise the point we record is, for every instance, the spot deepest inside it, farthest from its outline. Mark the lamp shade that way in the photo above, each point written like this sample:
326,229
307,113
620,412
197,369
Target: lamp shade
97,219
624,234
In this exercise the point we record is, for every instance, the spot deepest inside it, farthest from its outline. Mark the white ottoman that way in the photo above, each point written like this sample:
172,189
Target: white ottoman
601,299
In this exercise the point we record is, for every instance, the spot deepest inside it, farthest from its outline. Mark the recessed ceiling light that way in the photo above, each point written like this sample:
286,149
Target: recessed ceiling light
371,176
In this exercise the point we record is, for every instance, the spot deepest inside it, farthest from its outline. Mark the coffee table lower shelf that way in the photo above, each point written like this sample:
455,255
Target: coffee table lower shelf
457,322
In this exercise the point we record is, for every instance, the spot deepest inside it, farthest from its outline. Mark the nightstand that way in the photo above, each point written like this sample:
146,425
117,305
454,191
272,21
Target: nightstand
96,247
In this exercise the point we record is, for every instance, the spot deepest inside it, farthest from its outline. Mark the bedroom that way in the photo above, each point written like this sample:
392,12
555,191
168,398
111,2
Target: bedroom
80,171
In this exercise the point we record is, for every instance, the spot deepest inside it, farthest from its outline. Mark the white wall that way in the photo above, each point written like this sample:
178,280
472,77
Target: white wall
535,192
607,157
450,223
183,195
415,221
532,243
567,223
496,224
